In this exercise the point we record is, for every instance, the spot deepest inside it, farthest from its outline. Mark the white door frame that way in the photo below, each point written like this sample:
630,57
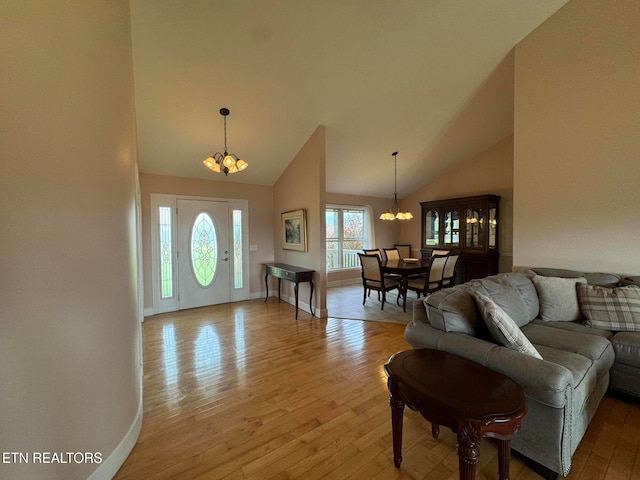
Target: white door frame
161,305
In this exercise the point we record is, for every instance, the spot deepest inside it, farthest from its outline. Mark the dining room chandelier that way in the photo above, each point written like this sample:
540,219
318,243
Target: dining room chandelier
395,213
225,162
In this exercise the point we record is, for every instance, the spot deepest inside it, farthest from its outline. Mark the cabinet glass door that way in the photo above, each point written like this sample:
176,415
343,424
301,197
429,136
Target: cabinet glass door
451,228
431,228
493,227
475,228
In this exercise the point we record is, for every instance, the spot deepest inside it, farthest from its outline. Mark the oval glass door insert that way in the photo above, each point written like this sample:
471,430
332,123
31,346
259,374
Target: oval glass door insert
204,249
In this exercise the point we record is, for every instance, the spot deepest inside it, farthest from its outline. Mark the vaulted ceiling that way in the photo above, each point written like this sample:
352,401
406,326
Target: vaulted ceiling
432,79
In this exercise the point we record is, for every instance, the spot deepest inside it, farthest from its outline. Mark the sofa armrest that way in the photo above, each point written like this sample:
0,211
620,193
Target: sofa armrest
545,382
419,311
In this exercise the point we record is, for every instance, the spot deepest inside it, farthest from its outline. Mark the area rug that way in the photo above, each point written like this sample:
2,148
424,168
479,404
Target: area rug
346,303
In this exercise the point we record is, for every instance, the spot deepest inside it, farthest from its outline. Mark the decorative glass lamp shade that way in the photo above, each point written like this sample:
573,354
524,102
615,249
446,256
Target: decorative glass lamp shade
225,163
404,215
395,213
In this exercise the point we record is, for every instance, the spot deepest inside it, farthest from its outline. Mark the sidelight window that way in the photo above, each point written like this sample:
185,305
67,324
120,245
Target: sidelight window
166,252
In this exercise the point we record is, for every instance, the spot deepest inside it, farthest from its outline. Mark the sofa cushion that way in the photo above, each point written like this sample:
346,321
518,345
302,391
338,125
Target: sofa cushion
527,290
502,327
602,279
577,327
596,348
557,272
558,298
626,345
597,278
631,281
455,310
615,309
503,294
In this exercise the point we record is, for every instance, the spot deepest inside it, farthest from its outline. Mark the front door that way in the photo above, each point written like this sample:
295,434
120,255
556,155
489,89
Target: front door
203,253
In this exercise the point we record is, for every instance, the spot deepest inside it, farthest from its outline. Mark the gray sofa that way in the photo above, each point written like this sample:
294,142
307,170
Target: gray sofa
579,361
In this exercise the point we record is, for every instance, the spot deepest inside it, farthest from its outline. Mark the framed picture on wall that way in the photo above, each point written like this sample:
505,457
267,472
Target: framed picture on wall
294,230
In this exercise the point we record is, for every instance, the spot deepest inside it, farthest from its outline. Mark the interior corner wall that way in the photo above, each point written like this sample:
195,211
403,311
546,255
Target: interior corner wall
70,343
302,186
260,201
490,171
577,111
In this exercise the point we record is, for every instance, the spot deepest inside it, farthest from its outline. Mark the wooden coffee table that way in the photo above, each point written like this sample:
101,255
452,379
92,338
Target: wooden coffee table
472,400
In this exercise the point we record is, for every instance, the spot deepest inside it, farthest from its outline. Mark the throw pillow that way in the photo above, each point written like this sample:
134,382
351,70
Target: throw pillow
506,297
558,298
611,308
502,327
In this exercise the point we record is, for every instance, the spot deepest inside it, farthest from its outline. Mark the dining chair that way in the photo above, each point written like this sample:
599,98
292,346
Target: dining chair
440,252
403,250
449,274
373,251
377,251
391,253
432,281
373,279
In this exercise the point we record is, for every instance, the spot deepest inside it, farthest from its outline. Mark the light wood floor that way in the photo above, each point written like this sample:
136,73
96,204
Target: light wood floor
243,391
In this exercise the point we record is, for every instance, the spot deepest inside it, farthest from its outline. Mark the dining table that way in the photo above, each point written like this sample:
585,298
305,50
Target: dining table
405,268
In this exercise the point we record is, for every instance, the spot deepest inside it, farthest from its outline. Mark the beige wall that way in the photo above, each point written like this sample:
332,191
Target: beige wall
490,171
260,200
69,324
577,112
302,186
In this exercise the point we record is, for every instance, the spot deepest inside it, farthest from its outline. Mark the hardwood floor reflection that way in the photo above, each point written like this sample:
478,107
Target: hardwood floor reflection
243,391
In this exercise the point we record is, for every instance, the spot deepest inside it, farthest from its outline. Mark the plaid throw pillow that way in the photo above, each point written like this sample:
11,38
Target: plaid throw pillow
610,308
502,327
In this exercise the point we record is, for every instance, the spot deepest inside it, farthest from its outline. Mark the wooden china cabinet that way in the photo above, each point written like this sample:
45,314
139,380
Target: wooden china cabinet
468,225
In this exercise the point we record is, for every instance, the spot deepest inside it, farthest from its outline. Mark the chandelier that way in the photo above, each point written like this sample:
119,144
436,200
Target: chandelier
395,213
225,162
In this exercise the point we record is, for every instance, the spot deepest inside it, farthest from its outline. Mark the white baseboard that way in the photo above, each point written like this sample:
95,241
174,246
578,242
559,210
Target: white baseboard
304,306
111,464
342,283
257,295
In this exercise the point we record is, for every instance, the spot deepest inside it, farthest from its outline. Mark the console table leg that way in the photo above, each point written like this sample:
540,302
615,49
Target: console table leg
295,289
504,455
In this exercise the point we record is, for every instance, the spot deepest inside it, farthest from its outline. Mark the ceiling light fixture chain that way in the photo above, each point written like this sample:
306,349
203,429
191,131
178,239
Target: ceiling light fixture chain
224,112
395,213
225,162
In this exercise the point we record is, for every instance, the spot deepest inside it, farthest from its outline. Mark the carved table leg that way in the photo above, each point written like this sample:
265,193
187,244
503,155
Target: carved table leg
397,411
504,455
468,447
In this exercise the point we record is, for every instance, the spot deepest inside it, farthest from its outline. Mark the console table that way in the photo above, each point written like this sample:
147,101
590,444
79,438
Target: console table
293,274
